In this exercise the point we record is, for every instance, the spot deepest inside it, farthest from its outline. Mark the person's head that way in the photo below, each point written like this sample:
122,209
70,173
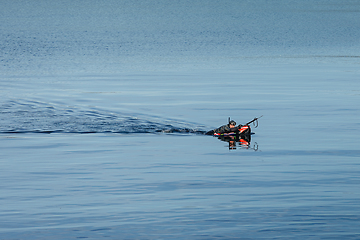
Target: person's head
232,124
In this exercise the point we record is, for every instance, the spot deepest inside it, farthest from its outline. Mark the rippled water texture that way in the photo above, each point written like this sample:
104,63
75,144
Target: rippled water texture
104,104
36,117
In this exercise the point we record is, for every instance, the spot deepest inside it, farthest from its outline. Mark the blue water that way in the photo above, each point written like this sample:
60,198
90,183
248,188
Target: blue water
103,108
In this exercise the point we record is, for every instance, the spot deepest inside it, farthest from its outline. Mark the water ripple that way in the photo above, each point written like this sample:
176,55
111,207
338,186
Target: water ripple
38,117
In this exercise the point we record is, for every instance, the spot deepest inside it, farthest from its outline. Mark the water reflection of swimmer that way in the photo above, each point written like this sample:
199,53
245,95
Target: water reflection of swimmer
230,139
244,141
232,145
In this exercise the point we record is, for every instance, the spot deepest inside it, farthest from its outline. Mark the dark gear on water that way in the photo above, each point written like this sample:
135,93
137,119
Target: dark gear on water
231,128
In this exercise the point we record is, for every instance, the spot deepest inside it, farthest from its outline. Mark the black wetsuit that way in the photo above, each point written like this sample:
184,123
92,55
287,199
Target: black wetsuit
223,129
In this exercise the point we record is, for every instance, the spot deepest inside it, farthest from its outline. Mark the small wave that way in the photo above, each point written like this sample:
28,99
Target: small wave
37,117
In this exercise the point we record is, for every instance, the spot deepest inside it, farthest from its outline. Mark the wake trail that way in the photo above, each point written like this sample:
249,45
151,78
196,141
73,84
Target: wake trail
38,117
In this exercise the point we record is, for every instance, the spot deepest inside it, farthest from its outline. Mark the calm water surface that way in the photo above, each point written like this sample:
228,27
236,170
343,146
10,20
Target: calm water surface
298,178
158,187
103,109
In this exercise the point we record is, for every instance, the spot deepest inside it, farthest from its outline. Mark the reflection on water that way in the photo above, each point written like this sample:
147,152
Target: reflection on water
239,141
